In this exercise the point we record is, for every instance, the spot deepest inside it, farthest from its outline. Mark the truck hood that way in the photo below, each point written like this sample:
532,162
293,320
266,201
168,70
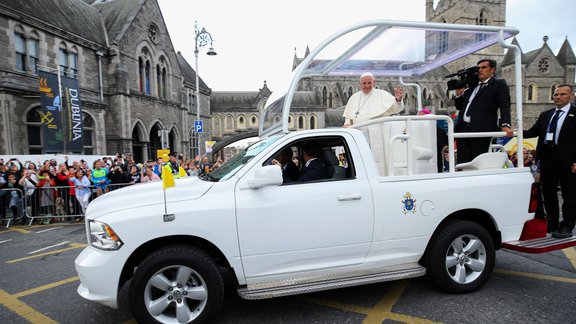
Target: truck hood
147,194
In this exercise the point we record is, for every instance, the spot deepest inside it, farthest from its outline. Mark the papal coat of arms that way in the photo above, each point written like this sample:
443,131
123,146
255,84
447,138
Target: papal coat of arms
409,204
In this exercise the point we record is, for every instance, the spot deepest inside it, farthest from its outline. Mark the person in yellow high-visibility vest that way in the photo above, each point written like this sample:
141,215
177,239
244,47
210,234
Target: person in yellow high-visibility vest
172,166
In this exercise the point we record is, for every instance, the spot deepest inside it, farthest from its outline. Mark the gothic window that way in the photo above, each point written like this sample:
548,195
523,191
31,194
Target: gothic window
217,126
324,96
63,60
241,122
141,74
159,81
20,45
144,68
153,33
147,78
350,92
552,90
300,122
312,122
73,63
164,85
290,122
330,100
481,20
34,131
254,121
190,100
193,102
442,40
229,124
543,65
531,92
88,133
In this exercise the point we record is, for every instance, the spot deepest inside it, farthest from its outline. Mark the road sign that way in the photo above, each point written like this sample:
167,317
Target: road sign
198,128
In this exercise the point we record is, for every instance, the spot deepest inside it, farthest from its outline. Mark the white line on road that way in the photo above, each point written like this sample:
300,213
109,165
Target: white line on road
5,241
49,229
49,247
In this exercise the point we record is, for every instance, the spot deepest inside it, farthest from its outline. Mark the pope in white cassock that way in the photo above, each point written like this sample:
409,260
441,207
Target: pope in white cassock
369,104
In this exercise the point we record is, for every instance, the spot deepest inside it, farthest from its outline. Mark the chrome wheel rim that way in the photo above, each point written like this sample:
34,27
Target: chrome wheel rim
465,259
175,294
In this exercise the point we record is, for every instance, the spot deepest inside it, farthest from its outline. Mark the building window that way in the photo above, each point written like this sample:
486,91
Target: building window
159,81
63,61
33,54
531,94
190,102
312,122
300,122
543,65
481,20
442,40
193,142
324,96
552,90
20,45
141,75
34,131
350,92
147,78
330,100
73,60
88,133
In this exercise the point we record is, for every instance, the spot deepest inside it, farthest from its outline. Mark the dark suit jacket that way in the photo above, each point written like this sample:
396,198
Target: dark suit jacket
566,138
494,96
314,171
291,172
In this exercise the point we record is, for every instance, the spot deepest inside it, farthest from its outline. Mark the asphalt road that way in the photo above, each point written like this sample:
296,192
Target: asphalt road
38,284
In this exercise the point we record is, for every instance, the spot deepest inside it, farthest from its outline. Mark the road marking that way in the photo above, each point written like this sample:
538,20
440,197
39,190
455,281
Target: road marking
18,229
5,241
337,305
72,247
49,247
45,287
536,276
383,309
22,309
571,255
49,229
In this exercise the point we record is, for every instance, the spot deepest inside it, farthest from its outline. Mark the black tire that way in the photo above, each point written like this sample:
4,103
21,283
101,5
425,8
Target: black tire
460,258
182,281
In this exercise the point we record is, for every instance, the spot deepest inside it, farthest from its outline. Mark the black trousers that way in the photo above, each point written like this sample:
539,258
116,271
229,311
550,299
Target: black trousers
469,148
551,175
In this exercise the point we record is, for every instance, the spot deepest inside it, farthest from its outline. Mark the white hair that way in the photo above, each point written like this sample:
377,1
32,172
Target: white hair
367,74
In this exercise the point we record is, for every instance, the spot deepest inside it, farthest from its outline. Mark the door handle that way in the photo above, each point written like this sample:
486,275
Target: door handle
349,197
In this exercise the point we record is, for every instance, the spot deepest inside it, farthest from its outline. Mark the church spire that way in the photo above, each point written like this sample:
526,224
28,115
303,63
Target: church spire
565,54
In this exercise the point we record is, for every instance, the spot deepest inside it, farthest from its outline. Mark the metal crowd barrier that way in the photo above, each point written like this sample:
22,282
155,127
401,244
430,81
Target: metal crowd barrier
48,204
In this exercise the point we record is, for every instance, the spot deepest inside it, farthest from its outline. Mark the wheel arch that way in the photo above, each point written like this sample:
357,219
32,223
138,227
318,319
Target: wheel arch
149,247
481,217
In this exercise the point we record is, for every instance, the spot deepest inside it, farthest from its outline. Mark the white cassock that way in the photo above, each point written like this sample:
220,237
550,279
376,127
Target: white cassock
362,107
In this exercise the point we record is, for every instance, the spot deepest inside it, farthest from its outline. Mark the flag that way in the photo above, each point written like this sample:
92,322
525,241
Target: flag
167,177
182,172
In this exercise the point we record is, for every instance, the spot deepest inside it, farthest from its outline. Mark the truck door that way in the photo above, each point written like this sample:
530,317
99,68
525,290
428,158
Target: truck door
303,226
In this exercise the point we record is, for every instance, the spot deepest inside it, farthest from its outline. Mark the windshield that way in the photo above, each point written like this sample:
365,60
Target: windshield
235,163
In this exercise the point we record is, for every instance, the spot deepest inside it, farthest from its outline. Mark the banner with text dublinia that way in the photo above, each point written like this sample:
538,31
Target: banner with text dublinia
51,113
61,116
72,110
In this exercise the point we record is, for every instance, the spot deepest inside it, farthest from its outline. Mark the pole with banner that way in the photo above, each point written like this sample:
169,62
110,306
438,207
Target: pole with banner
51,112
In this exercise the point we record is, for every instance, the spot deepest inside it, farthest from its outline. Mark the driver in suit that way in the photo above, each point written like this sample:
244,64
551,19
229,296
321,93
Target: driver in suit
313,168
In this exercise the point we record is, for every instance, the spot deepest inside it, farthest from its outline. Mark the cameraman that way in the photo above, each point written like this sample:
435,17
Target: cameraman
478,111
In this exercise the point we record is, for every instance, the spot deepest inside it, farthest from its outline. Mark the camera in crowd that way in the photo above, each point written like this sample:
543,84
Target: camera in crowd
464,78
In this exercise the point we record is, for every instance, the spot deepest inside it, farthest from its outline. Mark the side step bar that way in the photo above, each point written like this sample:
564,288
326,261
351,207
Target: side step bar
540,245
319,283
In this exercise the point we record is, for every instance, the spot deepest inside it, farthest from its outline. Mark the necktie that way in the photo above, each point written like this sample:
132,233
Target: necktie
554,124
472,96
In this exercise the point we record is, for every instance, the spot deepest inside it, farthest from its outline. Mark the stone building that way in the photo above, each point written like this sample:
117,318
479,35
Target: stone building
133,84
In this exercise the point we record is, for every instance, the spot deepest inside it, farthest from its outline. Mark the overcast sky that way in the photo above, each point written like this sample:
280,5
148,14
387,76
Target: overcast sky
255,39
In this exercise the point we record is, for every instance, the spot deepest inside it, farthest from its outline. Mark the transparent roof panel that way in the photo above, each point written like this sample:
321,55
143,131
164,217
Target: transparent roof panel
384,48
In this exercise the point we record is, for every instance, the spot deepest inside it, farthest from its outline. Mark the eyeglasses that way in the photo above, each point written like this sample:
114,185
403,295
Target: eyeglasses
561,94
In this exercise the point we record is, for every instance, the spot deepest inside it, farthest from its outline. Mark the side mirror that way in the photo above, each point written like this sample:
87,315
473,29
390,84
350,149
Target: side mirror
269,175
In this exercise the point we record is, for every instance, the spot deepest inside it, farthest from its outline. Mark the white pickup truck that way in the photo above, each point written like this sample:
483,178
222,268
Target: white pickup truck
362,222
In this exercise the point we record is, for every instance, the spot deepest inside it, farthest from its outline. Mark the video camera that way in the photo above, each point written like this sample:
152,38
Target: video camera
466,78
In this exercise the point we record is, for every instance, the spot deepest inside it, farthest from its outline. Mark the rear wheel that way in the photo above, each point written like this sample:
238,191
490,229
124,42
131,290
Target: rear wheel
461,257
176,285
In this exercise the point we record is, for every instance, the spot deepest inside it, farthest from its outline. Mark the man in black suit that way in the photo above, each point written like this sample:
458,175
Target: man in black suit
290,172
313,168
478,106
556,131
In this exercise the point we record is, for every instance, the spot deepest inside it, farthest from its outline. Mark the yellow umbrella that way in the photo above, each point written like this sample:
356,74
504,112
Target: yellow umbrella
529,143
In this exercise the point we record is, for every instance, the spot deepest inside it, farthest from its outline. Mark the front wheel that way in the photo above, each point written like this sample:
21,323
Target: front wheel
461,257
176,285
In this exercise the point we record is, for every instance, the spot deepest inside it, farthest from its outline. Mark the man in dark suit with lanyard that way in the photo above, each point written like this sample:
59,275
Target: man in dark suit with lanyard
556,150
478,108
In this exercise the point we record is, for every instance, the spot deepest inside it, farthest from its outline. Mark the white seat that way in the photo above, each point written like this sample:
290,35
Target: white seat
423,139
490,160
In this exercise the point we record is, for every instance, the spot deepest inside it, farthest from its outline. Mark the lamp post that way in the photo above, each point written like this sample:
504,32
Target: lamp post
201,39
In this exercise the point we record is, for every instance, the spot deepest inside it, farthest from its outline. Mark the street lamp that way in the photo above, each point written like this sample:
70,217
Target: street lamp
201,39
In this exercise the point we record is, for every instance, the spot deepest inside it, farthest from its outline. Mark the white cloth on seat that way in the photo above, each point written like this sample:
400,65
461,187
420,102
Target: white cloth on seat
490,160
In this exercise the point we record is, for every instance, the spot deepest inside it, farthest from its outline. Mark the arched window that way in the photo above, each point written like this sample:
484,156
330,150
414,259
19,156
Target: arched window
34,131
216,126
552,90
330,100
164,85
312,122
254,121
88,133
481,20
147,78
442,40
324,96
229,124
350,92
73,63
532,92
141,75
241,122
63,60
300,122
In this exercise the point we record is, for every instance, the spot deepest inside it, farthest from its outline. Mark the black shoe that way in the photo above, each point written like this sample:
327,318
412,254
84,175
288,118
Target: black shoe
551,228
562,233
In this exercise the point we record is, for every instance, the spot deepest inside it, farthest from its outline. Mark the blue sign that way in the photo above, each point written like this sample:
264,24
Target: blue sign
198,128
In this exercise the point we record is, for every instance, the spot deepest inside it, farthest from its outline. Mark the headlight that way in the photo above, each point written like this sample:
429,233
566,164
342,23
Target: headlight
102,236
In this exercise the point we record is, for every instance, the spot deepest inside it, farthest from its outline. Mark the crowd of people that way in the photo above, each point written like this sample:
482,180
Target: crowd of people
52,191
